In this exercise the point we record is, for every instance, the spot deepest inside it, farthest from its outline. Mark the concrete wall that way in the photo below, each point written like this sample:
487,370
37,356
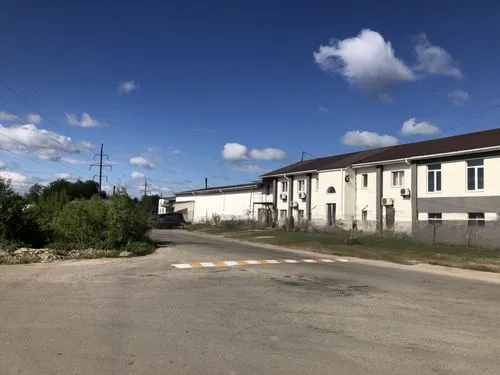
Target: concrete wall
228,205
320,197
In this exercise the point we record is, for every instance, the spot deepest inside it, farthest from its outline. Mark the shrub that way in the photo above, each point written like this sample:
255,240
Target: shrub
82,224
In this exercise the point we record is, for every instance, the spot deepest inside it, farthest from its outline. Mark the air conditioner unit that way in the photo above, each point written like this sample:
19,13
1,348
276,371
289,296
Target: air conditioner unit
387,201
405,192
302,195
283,196
294,204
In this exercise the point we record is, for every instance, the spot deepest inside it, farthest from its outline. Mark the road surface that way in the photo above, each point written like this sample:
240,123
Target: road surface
143,316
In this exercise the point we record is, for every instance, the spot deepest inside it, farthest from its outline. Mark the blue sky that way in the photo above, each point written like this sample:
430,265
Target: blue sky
228,90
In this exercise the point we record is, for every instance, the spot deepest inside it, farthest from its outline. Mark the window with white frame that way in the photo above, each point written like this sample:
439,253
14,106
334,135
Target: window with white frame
433,178
283,214
475,174
300,214
398,178
476,219
284,186
364,180
434,218
301,184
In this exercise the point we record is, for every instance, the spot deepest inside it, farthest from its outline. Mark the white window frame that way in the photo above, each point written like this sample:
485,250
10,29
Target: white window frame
434,173
303,183
399,185
364,216
364,178
284,186
476,169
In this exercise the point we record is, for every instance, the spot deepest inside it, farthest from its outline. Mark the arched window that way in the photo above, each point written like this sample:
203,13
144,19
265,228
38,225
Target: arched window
330,190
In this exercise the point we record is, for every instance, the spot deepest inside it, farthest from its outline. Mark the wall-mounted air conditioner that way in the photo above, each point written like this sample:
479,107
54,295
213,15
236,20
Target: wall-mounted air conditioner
283,196
294,204
302,195
405,192
387,201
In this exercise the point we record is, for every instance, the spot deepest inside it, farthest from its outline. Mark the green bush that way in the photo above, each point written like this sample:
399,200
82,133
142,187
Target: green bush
82,224
140,248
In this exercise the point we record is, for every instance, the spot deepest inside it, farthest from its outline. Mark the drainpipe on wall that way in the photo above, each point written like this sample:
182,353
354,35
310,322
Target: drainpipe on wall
275,200
378,196
290,196
308,197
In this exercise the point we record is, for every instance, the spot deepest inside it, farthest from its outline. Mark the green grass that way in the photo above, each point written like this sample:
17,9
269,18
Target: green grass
398,249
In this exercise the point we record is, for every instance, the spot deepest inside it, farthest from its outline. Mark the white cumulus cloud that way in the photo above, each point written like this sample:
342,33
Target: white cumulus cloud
267,154
234,151
435,60
368,139
86,121
412,127
45,144
141,161
238,152
366,61
62,175
127,86
2,164
459,97
14,177
6,116
137,175
33,118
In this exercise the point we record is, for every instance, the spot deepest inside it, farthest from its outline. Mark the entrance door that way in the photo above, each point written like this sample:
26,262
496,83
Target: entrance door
331,209
390,213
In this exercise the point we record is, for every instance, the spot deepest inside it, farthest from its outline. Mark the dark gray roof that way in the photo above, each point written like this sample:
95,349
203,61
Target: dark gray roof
215,189
463,142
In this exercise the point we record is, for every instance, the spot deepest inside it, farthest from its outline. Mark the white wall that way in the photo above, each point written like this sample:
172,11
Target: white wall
320,198
402,205
228,205
454,179
366,198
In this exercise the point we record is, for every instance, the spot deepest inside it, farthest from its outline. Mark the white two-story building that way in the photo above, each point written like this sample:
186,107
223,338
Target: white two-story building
393,188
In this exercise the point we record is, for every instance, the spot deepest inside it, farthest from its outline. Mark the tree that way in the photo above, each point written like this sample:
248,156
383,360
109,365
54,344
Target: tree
34,193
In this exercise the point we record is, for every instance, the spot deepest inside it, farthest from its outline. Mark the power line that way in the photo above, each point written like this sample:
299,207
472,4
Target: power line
475,117
305,153
101,166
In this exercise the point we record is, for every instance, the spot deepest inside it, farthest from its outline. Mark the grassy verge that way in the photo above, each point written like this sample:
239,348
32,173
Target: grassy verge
60,252
395,249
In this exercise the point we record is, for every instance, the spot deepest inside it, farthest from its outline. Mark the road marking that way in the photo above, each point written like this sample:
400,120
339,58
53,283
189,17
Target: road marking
246,262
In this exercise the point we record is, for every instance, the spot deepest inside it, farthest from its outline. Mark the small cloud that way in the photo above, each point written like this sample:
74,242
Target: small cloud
238,152
142,162
86,121
73,161
412,127
322,109
367,62
155,149
126,87
2,164
434,60
63,176
234,151
137,175
175,151
459,97
33,118
368,139
5,116
267,154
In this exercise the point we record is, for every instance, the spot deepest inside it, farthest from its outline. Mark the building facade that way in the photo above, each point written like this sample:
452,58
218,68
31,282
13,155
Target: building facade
398,188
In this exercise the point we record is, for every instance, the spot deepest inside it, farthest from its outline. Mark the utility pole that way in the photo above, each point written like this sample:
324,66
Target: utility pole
145,186
101,166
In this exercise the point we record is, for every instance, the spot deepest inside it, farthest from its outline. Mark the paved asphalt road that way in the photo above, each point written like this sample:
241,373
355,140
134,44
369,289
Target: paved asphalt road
142,316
